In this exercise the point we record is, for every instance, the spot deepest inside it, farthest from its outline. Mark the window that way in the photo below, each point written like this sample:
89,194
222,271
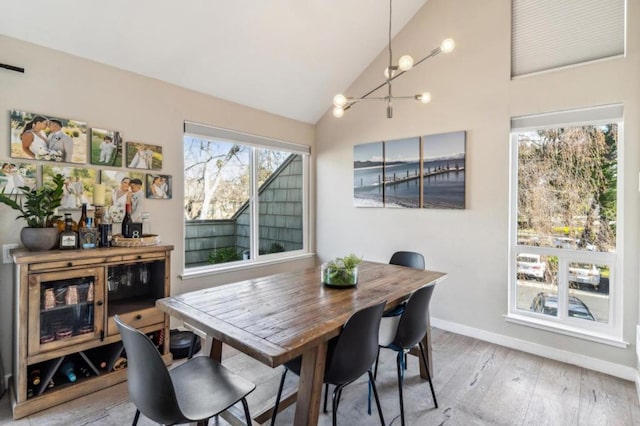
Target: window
547,34
245,199
564,223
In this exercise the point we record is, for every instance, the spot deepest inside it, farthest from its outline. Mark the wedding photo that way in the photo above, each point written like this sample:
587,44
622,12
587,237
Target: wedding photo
15,175
78,184
47,138
106,148
144,156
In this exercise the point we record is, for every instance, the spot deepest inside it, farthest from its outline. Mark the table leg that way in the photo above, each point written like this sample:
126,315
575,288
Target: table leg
216,350
310,387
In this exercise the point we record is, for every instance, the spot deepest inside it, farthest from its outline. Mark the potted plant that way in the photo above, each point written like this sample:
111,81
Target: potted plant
341,271
38,208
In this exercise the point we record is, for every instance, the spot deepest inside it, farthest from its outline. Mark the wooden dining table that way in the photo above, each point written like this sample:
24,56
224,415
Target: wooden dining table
279,317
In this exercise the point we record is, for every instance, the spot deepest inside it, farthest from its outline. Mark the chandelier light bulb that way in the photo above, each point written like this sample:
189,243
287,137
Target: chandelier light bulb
425,97
447,45
386,72
339,101
405,63
338,112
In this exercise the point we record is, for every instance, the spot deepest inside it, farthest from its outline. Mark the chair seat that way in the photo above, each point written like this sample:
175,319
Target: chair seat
205,388
387,332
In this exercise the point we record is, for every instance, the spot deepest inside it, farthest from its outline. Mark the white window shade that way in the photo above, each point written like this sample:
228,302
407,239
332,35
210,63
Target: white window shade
198,129
548,34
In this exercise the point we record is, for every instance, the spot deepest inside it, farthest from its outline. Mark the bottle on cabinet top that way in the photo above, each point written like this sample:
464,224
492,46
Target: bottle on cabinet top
126,222
82,223
68,238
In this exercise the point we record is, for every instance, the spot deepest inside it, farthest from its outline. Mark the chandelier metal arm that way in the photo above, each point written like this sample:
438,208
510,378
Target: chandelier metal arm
405,64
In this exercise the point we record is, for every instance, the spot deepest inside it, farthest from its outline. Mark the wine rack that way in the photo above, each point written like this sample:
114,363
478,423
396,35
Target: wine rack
65,305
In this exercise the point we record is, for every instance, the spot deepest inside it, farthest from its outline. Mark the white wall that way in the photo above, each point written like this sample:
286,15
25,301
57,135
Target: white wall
142,109
472,91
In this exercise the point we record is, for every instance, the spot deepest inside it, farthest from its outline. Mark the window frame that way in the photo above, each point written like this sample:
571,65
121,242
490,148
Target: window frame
608,333
254,142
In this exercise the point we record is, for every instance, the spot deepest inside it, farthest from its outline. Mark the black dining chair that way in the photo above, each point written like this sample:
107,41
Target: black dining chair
194,391
412,327
407,258
349,356
390,319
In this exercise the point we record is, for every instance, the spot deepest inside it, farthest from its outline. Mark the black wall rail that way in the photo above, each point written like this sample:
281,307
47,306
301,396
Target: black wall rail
12,68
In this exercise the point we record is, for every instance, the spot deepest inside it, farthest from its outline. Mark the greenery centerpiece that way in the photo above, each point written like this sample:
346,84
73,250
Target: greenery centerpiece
38,208
341,271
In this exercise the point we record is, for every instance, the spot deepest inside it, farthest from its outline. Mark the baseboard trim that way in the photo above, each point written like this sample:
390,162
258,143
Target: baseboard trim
638,386
617,370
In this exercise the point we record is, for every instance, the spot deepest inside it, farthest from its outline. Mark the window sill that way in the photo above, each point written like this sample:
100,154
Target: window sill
220,269
566,330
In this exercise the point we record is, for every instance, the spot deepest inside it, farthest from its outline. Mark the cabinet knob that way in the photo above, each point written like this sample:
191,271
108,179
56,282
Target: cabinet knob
139,257
69,264
99,303
138,317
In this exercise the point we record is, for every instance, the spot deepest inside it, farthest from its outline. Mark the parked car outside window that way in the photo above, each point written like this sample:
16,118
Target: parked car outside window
548,304
584,273
531,266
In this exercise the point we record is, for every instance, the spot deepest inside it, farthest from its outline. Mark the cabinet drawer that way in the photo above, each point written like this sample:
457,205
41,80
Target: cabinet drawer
136,319
144,256
65,264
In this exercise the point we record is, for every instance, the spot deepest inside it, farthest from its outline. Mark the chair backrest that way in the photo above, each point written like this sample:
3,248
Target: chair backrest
413,322
149,382
356,347
407,258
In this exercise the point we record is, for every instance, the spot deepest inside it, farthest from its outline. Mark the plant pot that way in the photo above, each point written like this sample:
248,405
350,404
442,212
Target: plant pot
339,277
39,239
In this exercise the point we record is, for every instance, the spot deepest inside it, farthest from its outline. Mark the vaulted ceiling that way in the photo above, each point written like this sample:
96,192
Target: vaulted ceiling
287,57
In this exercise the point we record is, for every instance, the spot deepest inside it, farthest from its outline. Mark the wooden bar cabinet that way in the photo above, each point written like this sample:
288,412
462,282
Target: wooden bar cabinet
65,341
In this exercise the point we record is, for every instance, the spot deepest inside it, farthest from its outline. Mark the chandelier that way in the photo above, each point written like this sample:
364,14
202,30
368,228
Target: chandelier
405,63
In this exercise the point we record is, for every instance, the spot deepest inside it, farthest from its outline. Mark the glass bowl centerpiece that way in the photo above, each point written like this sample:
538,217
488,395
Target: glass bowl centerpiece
341,272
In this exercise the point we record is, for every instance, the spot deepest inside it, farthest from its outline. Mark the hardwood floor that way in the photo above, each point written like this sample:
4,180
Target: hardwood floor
476,383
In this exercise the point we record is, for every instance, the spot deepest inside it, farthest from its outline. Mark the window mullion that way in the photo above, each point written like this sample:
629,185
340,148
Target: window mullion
254,204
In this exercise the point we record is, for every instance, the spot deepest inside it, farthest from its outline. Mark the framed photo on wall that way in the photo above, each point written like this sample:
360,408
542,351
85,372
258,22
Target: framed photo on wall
159,186
78,184
15,175
444,170
144,156
106,148
402,173
47,138
368,175
122,187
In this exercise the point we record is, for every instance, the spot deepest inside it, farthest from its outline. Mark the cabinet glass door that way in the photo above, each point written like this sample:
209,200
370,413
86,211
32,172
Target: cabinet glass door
66,308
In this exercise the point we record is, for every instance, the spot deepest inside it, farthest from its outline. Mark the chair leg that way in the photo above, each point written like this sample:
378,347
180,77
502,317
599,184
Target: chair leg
275,407
326,391
375,372
246,411
426,368
399,360
372,383
337,393
135,418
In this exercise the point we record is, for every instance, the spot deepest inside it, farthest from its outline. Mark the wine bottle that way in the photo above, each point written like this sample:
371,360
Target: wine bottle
82,223
127,221
35,377
84,371
120,363
67,370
